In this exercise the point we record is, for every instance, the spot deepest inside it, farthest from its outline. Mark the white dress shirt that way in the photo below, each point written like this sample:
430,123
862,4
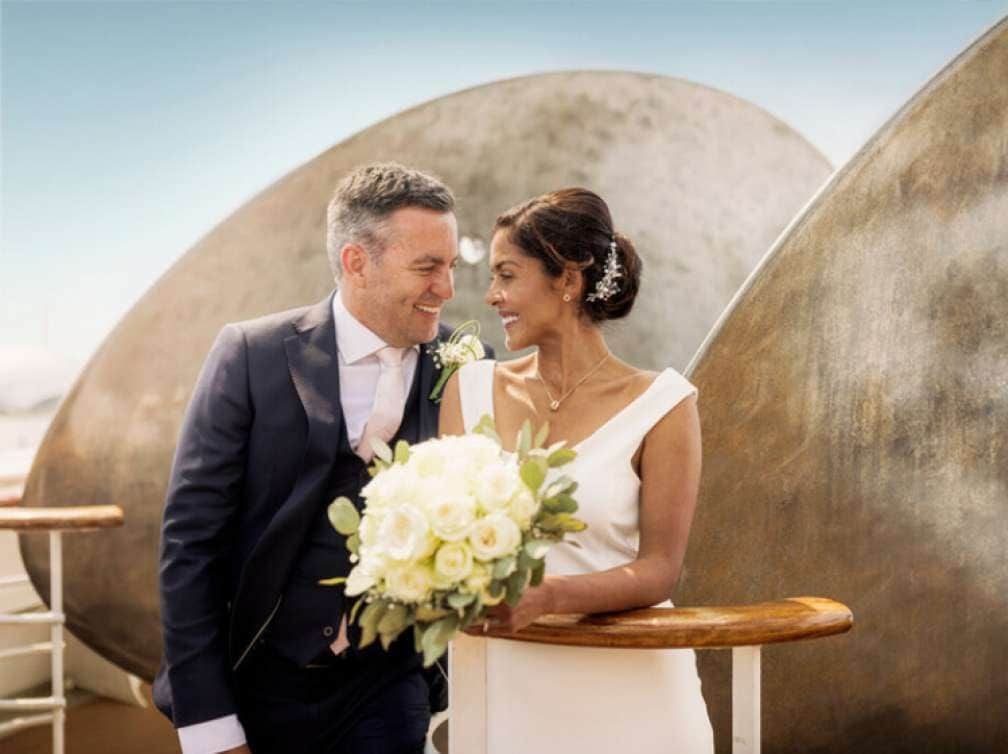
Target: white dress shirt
359,369
356,347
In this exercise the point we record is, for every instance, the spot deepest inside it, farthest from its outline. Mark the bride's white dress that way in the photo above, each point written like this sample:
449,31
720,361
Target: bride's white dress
554,699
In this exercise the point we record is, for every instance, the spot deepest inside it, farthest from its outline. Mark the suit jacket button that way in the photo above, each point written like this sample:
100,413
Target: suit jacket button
327,631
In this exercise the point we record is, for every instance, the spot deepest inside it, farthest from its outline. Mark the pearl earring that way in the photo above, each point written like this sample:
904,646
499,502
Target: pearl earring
566,297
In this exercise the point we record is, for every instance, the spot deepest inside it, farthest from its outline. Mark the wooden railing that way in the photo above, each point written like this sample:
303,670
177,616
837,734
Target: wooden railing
55,521
743,628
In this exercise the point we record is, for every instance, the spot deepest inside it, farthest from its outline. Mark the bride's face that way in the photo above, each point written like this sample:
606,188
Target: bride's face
527,299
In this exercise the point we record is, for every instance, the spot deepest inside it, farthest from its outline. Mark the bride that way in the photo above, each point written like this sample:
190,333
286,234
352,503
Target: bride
560,271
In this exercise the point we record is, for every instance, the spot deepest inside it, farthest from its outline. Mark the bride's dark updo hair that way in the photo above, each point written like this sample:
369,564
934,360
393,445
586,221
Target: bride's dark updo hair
572,227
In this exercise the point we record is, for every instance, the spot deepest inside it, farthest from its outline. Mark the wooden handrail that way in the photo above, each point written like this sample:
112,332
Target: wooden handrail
699,627
61,519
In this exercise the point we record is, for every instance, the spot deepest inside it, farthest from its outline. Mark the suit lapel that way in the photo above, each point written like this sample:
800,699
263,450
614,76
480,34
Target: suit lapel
314,369
428,374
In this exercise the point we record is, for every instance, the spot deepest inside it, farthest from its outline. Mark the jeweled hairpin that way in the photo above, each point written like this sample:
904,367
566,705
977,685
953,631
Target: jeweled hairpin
607,287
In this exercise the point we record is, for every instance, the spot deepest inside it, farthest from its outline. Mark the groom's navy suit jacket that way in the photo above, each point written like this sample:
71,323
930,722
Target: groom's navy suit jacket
261,453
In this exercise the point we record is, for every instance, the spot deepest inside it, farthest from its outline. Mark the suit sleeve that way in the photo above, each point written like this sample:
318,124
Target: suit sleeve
204,493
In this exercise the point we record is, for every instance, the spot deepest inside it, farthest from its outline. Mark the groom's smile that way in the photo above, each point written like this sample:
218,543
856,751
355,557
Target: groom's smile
408,281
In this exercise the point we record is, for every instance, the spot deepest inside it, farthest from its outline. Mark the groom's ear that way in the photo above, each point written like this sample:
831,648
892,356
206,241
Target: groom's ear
354,259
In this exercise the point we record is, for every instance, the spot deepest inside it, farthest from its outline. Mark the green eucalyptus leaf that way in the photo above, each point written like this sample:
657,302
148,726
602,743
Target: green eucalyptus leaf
333,581
533,473
417,638
473,614
387,639
436,637
563,484
560,503
353,543
485,426
394,620
515,586
343,516
538,571
541,435
431,614
549,522
561,457
458,600
369,621
504,567
356,609
524,441
560,522
496,588
402,451
572,524
537,548
525,562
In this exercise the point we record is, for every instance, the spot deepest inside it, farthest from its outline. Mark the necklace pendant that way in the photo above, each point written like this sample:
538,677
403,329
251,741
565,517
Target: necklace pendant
554,405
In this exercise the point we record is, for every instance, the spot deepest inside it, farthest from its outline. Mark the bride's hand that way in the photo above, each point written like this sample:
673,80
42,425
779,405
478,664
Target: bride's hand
535,602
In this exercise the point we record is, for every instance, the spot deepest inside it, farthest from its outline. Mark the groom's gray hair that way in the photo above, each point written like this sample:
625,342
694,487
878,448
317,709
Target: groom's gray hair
365,198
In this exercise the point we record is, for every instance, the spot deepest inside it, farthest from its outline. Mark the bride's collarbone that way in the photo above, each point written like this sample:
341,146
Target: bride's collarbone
518,398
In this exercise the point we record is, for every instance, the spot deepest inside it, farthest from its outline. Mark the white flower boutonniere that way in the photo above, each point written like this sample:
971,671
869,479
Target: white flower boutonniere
462,346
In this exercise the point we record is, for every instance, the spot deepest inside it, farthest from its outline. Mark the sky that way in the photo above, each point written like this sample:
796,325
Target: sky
129,129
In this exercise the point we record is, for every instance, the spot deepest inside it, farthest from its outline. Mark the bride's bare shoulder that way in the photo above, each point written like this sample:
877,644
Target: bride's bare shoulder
516,369
631,381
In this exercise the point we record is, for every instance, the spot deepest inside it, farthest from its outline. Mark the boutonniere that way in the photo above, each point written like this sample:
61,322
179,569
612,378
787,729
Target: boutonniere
462,346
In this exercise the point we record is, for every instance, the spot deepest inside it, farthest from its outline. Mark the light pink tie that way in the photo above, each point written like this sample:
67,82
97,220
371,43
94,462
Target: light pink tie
386,416
389,402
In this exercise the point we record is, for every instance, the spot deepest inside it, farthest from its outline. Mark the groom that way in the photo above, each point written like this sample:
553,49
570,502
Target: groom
257,654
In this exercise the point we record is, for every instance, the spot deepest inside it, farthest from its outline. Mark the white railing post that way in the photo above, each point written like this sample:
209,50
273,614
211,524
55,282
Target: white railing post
467,695
746,700
56,634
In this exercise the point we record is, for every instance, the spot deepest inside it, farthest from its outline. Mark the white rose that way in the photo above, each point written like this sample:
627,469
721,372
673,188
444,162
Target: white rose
410,584
522,507
389,487
363,576
428,459
452,563
451,517
496,484
470,348
494,536
403,534
367,532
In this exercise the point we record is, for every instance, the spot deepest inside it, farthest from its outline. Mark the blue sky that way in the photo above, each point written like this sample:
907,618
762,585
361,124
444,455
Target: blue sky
129,129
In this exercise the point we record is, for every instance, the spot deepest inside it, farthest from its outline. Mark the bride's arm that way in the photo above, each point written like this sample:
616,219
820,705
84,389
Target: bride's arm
670,478
450,420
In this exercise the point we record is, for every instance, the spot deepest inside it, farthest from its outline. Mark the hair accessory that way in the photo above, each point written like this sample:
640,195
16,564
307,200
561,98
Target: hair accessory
607,287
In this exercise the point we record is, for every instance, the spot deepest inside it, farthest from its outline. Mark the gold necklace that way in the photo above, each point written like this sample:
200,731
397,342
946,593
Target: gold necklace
554,403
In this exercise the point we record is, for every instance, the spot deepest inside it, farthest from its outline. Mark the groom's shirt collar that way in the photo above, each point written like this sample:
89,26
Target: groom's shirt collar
359,368
354,340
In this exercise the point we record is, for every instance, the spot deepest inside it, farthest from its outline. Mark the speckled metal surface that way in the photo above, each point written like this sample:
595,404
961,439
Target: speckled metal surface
702,182
854,406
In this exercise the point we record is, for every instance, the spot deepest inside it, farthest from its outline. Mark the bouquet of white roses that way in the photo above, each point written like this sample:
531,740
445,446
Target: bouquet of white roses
451,527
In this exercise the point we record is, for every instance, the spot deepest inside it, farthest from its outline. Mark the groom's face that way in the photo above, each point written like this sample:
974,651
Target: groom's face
408,283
